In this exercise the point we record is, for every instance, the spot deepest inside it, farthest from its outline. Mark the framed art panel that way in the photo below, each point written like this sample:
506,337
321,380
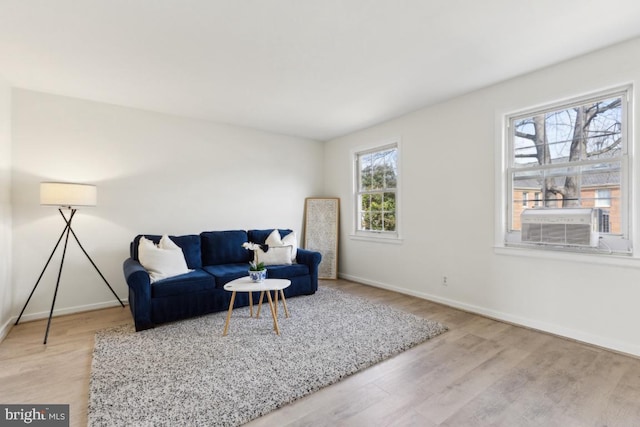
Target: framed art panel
321,232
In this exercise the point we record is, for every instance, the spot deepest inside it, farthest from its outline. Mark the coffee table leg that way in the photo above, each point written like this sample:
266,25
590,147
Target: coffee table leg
273,314
226,324
260,304
250,304
284,303
275,301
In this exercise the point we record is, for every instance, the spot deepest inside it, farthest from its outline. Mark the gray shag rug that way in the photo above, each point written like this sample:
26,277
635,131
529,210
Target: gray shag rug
186,373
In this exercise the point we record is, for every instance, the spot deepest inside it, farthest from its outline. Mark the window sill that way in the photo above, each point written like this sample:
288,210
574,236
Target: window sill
614,259
377,239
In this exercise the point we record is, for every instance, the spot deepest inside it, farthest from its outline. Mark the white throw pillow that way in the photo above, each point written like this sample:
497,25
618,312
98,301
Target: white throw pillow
275,255
163,260
167,243
289,240
274,239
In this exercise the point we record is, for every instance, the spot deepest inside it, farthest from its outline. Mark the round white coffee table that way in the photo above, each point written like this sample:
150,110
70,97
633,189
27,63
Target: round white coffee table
244,284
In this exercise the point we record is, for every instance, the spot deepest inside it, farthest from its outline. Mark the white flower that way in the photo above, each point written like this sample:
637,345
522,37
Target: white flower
251,246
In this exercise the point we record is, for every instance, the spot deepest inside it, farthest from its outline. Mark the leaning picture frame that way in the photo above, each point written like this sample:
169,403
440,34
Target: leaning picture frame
321,229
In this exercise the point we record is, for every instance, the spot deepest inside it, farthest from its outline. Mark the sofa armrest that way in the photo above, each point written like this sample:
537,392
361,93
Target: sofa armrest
139,284
312,260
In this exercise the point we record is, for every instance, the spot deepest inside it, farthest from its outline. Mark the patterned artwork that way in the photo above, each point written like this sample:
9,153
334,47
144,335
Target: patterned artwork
321,233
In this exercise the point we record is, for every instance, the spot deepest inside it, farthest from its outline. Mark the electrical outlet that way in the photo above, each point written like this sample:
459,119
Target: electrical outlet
445,281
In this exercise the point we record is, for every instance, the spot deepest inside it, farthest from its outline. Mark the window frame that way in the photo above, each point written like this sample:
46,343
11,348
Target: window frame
610,244
373,235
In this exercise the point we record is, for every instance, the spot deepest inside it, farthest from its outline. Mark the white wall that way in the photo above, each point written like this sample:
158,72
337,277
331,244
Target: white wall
155,174
6,290
449,206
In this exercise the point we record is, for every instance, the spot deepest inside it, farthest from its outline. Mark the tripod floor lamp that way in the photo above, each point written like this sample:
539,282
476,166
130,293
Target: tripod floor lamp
66,196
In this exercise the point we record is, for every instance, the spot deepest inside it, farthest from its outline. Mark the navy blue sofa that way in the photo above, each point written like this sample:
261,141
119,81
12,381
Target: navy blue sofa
216,257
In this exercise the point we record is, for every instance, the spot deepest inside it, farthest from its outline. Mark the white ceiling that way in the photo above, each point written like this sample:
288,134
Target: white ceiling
312,68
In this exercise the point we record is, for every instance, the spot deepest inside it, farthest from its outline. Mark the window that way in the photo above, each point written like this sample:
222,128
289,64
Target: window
604,226
377,191
573,155
602,198
525,198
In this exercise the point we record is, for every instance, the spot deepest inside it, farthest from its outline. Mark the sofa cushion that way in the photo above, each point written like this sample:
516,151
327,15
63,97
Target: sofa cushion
196,281
224,273
190,245
260,236
224,247
287,271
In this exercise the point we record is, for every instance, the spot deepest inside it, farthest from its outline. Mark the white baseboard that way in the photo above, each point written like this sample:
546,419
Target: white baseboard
4,330
70,310
600,341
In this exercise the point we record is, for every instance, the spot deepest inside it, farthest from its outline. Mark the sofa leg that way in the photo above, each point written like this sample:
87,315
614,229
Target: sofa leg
144,327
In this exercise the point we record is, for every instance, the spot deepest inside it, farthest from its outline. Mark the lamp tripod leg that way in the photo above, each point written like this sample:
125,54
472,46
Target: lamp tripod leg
55,293
42,273
95,266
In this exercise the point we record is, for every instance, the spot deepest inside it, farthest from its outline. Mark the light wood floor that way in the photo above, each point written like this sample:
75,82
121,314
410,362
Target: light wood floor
479,373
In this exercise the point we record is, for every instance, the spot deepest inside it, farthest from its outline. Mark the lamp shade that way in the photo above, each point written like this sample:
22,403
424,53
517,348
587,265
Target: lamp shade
67,194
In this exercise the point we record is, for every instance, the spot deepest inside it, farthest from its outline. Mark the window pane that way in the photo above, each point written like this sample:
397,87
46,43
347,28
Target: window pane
391,168
365,221
376,221
365,202
389,221
365,163
377,171
565,183
376,202
558,130
524,147
378,212
526,181
389,204
523,183
604,134
601,184
602,174
582,132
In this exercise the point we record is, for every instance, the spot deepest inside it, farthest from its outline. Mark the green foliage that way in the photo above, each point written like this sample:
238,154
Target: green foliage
378,179
256,267
378,208
378,212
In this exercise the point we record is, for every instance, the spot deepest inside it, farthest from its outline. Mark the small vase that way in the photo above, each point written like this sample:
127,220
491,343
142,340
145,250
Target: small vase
258,276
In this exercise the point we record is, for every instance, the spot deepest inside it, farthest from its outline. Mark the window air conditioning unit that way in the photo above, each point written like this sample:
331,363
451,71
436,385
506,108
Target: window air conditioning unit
560,226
